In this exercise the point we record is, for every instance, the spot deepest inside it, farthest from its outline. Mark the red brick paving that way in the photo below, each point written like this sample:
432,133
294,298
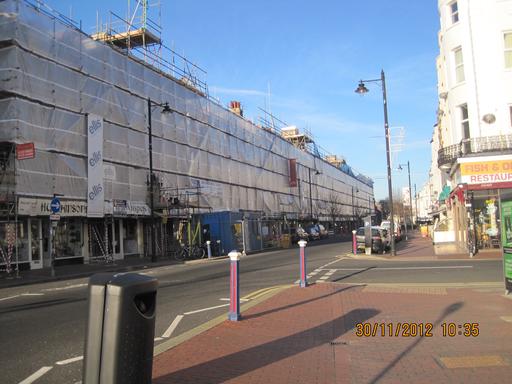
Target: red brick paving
307,335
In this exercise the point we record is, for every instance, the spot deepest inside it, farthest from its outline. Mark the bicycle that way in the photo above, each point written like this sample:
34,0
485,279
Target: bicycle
189,252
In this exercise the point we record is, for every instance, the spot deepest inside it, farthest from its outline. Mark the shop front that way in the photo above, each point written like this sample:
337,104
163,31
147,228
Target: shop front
72,237
485,183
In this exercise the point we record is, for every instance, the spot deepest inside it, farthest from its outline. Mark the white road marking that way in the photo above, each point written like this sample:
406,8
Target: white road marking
21,294
401,268
66,287
9,297
36,375
158,338
205,309
325,277
69,361
173,326
228,299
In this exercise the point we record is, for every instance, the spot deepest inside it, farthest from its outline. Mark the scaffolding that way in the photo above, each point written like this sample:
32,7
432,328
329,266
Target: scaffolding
140,35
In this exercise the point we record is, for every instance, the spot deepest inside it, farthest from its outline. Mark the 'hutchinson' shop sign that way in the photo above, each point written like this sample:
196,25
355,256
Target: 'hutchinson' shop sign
75,208
488,170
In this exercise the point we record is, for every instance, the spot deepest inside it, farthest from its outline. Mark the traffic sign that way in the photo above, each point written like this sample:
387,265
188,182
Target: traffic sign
55,205
54,217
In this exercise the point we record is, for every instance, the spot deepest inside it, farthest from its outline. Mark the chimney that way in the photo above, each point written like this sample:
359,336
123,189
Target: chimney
235,107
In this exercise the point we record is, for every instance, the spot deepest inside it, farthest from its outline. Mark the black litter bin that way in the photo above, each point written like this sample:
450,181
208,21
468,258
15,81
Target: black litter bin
120,329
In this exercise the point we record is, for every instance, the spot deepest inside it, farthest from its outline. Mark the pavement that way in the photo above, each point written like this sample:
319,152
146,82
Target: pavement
417,248
346,333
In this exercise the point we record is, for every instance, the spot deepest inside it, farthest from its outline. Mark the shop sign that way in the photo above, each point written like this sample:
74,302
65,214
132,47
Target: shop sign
506,241
42,207
493,171
127,208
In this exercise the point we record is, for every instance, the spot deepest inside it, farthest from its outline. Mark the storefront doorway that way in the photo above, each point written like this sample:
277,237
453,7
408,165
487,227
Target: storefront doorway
36,243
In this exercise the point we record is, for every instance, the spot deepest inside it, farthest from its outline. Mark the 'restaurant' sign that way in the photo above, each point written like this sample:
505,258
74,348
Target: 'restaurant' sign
490,170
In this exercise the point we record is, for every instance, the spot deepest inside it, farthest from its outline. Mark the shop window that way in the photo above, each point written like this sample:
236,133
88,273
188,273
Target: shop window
68,238
130,245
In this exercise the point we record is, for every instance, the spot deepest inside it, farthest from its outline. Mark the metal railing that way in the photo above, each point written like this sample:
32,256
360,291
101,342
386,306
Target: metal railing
448,155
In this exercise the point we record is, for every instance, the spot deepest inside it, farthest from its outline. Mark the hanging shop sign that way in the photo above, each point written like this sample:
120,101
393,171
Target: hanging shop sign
490,170
95,188
25,151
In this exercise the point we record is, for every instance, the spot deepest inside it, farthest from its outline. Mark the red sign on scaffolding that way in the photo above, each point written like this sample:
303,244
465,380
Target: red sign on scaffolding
25,151
293,172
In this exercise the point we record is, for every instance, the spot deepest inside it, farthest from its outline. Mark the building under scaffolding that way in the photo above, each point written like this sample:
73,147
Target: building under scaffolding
83,103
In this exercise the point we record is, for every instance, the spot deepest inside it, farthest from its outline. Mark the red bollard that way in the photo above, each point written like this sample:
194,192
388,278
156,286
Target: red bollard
234,286
354,242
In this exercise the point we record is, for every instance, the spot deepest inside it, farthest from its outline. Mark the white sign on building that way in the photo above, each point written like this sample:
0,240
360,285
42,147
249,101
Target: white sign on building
95,188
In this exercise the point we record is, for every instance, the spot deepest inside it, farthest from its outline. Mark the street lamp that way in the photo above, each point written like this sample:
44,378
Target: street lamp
165,110
354,207
317,172
410,191
361,89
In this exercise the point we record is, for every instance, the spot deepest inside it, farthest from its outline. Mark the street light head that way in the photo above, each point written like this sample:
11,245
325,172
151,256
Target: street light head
361,88
166,109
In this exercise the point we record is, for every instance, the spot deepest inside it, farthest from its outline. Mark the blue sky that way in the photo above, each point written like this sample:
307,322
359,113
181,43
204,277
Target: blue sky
311,54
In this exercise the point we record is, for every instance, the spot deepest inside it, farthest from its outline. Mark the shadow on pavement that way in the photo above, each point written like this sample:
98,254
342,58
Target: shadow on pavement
448,310
236,364
259,314
353,274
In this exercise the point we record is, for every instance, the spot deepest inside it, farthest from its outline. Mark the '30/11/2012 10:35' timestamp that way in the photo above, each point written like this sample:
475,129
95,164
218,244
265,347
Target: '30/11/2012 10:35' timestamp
416,329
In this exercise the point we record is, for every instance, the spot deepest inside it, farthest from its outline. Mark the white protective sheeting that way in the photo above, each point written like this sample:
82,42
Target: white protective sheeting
54,75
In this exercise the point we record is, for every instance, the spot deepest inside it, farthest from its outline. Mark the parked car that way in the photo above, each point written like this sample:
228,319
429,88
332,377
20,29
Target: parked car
380,239
313,232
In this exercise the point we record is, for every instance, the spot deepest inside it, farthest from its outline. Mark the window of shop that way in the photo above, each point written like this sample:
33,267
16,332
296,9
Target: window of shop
487,218
68,238
8,242
130,236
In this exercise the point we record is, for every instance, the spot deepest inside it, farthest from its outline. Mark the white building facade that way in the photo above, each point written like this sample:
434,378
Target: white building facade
474,126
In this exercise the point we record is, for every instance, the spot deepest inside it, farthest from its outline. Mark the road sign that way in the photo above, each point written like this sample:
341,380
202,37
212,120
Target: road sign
55,205
54,217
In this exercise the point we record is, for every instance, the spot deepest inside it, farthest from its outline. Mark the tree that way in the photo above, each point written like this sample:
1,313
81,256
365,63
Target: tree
334,207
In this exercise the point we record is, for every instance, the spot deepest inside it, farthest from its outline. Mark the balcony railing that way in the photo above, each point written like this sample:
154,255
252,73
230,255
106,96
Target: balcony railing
448,155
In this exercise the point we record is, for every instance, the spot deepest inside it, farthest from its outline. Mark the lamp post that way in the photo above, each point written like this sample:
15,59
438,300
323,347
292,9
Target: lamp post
410,191
354,207
361,89
310,193
165,109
